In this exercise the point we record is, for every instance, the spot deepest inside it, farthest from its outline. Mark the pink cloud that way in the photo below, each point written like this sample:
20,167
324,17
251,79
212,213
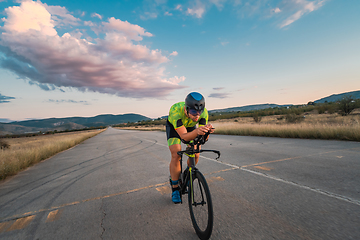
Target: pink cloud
31,16
174,53
114,64
132,31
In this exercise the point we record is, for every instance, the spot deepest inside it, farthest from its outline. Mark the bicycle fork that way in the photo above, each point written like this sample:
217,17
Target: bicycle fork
189,177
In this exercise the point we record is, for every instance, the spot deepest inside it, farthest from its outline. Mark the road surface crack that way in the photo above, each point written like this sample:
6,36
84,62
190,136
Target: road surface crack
102,219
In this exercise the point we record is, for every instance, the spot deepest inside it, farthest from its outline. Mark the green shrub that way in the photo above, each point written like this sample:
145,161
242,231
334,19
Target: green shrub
321,109
4,145
256,117
293,118
347,105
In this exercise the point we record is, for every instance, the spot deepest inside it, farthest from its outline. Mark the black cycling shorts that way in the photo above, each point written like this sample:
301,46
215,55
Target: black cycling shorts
172,136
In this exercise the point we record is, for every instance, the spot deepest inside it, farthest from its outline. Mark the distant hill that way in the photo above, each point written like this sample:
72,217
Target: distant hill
5,120
244,108
61,124
338,97
6,128
249,108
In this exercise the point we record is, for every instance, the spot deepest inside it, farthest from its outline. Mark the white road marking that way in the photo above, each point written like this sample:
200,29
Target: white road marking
329,194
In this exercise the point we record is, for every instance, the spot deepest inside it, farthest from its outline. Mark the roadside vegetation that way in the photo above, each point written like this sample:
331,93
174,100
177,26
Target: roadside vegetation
340,121
148,125
313,126
39,133
334,120
17,154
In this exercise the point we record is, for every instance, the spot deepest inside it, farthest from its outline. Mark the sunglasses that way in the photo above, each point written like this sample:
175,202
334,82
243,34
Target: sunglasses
194,112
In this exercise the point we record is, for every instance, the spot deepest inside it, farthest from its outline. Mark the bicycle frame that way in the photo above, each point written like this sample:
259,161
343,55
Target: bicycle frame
199,197
190,152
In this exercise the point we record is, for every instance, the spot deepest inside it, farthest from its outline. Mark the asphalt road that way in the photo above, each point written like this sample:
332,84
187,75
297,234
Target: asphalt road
115,186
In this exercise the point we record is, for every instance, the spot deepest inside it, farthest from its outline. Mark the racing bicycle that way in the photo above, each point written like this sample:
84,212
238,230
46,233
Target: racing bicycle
193,183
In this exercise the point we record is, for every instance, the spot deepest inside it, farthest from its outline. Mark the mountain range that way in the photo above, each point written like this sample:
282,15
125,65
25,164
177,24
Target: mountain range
338,97
249,108
61,124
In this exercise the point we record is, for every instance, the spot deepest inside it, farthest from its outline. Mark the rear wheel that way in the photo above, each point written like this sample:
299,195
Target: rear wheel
200,205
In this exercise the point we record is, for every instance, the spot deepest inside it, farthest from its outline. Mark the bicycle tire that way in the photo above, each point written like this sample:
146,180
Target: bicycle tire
200,206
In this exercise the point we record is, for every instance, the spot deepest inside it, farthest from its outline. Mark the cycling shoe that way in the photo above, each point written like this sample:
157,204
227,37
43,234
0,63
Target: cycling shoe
176,196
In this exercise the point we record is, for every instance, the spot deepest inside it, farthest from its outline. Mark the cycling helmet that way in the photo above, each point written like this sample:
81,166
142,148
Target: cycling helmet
194,101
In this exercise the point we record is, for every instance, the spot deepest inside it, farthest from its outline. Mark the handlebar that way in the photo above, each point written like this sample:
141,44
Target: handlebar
199,140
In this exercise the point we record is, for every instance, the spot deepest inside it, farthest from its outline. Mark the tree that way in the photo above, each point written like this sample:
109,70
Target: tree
256,117
347,105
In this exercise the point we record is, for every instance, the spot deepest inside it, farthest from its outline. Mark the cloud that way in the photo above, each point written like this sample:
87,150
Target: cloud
218,88
198,8
134,32
288,11
5,99
60,15
301,7
114,63
151,9
219,95
96,15
176,79
30,17
148,15
68,101
174,53
276,10
218,3
197,11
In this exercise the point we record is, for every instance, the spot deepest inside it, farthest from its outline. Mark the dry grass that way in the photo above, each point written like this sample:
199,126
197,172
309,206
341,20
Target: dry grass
27,151
314,126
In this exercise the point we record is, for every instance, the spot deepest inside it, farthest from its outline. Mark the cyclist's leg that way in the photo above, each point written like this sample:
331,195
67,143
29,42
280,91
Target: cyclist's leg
174,165
174,144
175,170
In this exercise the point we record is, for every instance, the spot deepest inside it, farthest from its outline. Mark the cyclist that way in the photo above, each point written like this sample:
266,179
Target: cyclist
181,124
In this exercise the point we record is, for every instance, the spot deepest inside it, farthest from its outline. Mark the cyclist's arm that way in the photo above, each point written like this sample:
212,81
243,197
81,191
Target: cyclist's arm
188,136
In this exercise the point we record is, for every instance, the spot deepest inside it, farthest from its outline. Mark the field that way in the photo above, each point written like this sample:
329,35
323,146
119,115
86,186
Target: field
26,151
310,125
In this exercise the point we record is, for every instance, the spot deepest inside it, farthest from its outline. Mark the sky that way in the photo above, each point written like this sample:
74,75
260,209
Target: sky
86,58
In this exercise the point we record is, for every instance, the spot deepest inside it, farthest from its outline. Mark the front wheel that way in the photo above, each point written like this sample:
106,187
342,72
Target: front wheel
200,205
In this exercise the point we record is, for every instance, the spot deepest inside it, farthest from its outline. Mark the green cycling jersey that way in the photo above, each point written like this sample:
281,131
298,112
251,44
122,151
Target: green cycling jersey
178,118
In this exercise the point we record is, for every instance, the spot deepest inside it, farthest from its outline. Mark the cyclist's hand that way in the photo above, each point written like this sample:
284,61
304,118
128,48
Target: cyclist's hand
211,128
202,130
